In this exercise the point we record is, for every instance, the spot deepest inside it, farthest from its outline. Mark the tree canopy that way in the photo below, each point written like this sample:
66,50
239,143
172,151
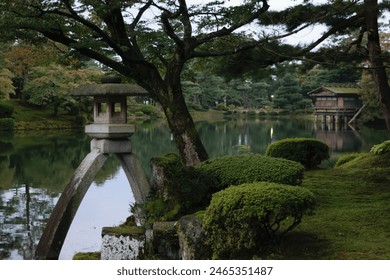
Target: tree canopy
152,41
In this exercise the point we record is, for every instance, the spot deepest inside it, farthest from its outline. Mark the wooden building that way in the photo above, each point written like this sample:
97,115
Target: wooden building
336,102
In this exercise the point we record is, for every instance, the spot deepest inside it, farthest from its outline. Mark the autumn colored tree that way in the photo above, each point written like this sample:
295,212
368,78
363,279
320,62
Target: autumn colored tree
22,57
49,86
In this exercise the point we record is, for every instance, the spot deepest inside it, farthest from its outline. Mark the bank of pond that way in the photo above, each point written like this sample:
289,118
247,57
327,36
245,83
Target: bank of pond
331,210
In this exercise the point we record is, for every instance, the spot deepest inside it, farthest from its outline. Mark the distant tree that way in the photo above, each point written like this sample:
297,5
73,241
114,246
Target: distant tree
288,94
117,34
50,86
22,57
370,97
6,85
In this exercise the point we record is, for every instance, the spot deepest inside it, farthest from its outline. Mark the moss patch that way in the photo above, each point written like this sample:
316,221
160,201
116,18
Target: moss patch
87,256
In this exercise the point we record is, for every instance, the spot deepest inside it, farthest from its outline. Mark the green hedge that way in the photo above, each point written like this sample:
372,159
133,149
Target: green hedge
236,170
6,110
7,124
309,152
247,220
381,148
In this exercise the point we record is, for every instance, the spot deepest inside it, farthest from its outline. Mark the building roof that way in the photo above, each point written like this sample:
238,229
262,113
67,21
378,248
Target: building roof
335,89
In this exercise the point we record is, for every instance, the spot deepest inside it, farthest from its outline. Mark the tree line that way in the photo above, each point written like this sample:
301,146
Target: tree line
157,52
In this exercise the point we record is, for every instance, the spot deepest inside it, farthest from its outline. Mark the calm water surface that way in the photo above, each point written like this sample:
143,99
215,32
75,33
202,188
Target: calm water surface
35,168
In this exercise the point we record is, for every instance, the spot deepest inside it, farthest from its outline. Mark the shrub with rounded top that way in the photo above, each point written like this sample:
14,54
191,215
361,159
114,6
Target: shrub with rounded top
243,221
7,124
6,110
309,152
381,148
235,170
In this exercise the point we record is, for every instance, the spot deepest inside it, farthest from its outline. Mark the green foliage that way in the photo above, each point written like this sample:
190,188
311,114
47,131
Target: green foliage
150,110
370,97
244,220
236,170
6,110
368,161
50,86
346,158
6,84
309,152
183,189
7,124
381,149
251,114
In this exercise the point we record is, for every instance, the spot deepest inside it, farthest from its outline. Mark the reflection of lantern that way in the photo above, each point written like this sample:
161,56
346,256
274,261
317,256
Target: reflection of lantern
110,107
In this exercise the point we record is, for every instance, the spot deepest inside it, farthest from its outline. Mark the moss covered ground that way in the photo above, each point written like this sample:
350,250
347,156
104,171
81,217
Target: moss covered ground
351,220
33,118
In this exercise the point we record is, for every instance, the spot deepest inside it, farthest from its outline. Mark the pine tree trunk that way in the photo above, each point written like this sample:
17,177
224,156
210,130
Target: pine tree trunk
376,59
187,139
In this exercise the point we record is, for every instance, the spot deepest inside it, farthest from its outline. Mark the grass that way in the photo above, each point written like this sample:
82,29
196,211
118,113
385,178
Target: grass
351,220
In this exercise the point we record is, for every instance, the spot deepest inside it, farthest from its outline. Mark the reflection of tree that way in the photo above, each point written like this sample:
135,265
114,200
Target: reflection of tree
109,170
48,162
24,211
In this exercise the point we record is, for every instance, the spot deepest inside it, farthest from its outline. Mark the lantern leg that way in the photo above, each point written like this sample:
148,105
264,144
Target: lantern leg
136,176
54,234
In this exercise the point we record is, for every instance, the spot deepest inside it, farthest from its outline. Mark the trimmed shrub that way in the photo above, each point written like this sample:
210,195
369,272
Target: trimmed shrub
7,124
309,152
247,220
236,170
6,110
381,148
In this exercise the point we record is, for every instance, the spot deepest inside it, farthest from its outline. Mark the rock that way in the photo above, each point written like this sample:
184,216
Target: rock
192,239
165,241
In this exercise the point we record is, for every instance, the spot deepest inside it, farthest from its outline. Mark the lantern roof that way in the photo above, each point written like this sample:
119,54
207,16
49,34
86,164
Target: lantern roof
108,87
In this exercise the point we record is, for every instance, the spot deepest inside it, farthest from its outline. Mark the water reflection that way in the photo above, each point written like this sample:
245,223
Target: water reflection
34,169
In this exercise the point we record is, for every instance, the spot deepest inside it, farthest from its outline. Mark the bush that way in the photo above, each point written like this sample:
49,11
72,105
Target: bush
381,149
251,114
179,189
236,170
80,120
6,110
245,220
307,151
346,158
150,111
7,124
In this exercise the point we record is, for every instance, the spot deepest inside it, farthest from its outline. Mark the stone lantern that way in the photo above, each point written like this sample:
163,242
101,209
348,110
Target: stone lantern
110,133
109,107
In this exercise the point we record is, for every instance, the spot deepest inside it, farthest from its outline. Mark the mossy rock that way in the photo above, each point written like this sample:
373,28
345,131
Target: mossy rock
192,238
179,189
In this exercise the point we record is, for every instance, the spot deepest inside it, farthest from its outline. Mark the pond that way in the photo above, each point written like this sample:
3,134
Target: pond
35,168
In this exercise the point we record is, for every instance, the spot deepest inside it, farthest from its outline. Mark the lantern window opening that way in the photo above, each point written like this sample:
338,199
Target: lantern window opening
101,108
